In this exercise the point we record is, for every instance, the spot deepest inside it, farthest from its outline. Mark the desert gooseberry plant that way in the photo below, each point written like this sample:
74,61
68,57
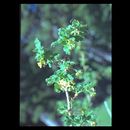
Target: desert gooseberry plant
68,78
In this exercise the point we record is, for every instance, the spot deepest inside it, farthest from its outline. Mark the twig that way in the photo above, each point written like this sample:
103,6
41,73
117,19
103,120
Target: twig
107,108
68,102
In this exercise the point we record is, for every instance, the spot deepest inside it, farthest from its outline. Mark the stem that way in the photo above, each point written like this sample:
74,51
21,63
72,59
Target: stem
82,122
76,94
68,102
107,108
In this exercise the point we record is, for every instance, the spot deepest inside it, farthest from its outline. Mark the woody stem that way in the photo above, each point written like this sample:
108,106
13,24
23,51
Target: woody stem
67,98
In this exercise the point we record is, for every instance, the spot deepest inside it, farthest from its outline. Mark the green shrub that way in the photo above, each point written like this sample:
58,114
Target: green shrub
67,77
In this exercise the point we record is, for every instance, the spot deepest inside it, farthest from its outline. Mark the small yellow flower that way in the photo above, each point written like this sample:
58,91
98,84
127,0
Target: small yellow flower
64,84
82,111
93,123
41,63
78,73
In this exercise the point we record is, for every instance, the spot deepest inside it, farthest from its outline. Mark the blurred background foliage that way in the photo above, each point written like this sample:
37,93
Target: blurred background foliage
37,101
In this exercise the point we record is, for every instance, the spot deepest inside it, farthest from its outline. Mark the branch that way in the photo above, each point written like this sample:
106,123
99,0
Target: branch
107,108
68,102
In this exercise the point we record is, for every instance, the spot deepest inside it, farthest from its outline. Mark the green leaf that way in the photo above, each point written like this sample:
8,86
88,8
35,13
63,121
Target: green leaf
49,62
39,50
38,46
57,88
51,80
53,44
75,23
70,77
66,49
61,107
56,57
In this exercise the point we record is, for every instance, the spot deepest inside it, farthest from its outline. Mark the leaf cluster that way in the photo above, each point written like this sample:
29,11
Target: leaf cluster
64,79
69,36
